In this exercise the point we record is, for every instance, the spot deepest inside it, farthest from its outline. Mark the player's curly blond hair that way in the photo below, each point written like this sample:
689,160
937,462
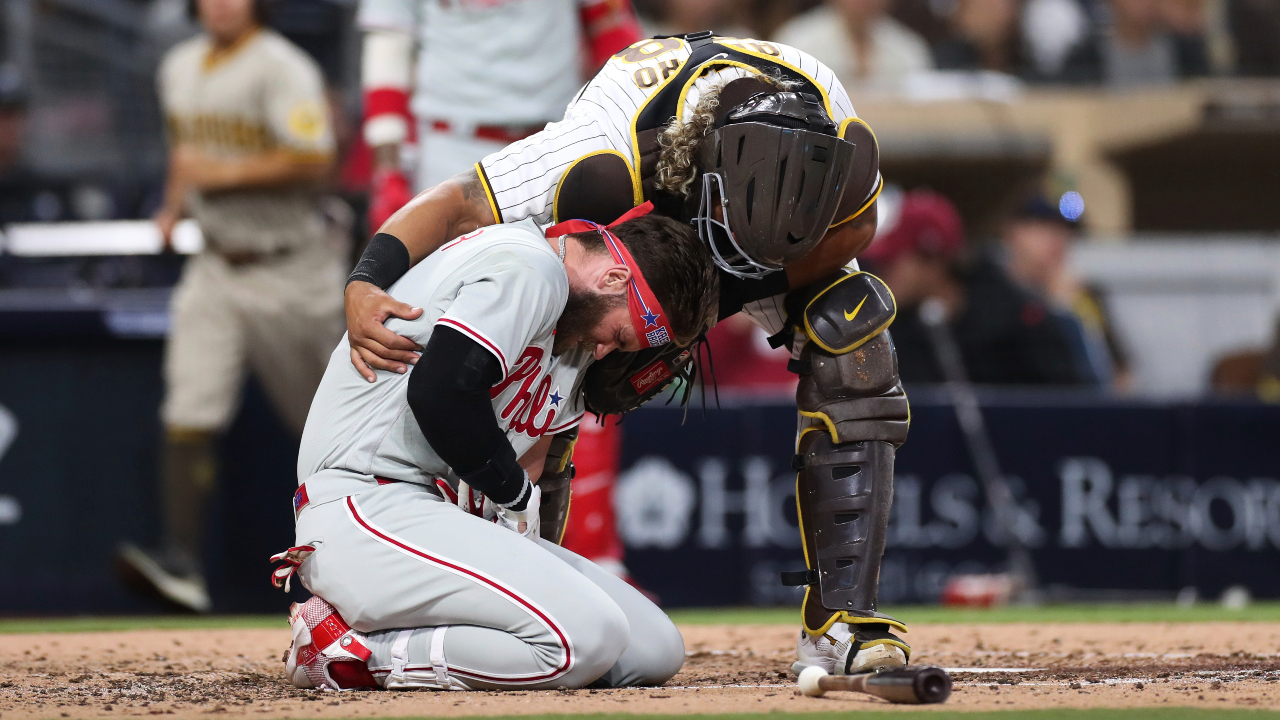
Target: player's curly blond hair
681,140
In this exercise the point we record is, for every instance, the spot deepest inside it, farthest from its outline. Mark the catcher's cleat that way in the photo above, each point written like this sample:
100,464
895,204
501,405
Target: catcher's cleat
326,653
169,574
842,651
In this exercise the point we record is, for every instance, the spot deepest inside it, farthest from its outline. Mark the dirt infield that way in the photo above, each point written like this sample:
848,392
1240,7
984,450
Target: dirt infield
738,668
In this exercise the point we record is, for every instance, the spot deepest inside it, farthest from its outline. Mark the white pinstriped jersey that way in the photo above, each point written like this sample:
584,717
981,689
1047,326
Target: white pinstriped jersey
502,286
523,177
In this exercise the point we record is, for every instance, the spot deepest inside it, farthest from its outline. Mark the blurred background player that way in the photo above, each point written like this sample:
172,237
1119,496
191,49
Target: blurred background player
449,82
249,143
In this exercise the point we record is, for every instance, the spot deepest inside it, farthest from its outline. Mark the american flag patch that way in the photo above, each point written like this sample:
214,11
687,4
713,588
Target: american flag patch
657,337
300,500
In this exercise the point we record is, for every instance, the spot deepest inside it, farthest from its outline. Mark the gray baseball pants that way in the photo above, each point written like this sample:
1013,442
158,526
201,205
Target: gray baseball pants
451,601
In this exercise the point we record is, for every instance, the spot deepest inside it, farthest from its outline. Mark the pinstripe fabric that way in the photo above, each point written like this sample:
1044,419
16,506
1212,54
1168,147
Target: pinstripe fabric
524,175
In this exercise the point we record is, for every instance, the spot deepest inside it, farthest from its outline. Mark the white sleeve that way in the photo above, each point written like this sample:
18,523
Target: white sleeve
522,178
511,298
396,15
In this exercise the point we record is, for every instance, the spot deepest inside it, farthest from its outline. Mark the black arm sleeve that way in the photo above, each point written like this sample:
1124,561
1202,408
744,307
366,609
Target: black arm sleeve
384,260
449,396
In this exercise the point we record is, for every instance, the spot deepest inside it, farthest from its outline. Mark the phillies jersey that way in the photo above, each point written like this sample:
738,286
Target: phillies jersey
506,62
599,160
503,287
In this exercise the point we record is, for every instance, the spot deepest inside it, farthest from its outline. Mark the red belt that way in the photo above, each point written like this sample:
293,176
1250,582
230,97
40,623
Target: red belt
499,133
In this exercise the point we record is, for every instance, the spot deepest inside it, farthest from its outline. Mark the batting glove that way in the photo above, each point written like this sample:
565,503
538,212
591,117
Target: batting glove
524,522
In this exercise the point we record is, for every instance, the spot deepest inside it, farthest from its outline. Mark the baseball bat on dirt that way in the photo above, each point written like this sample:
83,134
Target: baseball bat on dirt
910,685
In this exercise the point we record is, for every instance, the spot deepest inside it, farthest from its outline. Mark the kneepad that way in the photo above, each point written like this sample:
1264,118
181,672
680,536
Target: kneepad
849,369
847,313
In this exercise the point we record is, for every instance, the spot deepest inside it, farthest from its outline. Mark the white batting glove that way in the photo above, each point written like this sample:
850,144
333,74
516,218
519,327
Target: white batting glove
474,502
524,522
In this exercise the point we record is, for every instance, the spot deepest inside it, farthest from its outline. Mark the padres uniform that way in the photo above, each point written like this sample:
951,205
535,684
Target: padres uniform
600,159
450,600
267,290
488,72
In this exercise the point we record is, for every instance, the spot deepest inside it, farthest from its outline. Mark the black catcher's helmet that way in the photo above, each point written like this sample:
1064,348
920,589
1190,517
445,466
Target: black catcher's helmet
777,168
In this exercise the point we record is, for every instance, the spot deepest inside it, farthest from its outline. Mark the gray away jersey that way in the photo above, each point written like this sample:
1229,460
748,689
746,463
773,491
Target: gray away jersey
502,286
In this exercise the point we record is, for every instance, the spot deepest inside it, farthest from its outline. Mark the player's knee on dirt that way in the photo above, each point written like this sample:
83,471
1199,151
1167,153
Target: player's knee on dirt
654,655
663,652
601,635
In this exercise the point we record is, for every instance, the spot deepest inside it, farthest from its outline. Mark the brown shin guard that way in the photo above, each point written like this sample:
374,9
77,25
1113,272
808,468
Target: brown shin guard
843,493
857,415
555,483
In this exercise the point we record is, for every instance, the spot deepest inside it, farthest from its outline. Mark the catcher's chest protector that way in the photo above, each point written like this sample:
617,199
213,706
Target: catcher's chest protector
856,415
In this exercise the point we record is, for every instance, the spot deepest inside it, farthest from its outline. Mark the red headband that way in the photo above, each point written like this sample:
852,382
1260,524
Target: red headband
652,327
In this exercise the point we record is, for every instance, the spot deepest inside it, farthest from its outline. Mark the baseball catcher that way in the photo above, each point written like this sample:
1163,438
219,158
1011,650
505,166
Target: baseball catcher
757,146
414,587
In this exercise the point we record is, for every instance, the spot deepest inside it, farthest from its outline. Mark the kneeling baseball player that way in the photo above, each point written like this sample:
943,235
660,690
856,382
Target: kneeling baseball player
413,587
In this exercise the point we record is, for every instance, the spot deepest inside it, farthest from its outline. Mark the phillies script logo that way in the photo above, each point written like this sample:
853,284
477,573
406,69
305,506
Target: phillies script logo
529,401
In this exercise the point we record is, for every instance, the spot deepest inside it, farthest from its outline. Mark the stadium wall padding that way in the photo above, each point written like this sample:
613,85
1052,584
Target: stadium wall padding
1116,494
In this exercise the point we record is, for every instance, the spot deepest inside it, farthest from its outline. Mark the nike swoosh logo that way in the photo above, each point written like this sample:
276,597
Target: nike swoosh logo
851,315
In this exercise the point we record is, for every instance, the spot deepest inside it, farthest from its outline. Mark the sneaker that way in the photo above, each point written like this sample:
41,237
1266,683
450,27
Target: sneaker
326,653
842,651
171,575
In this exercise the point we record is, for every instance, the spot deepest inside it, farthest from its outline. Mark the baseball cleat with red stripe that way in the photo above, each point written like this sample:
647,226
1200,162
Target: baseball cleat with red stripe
326,653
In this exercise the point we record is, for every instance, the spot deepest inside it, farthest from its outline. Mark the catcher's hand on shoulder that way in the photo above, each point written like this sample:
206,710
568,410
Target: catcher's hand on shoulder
524,522
373,346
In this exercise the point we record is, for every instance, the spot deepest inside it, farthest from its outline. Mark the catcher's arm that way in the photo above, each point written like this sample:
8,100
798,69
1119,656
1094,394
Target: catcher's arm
453,208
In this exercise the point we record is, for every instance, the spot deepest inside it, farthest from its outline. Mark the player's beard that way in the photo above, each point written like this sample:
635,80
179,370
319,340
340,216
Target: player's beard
582,313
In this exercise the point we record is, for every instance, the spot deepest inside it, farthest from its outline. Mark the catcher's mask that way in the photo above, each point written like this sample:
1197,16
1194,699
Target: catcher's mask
776,167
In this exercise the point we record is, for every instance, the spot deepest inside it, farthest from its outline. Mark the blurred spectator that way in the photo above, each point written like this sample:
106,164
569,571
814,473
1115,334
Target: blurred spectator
1255,28
677,17
1006,334
1036,242
867,49
984,36
766,16
1139,46
1250,372
25,196
1051,29
929,19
